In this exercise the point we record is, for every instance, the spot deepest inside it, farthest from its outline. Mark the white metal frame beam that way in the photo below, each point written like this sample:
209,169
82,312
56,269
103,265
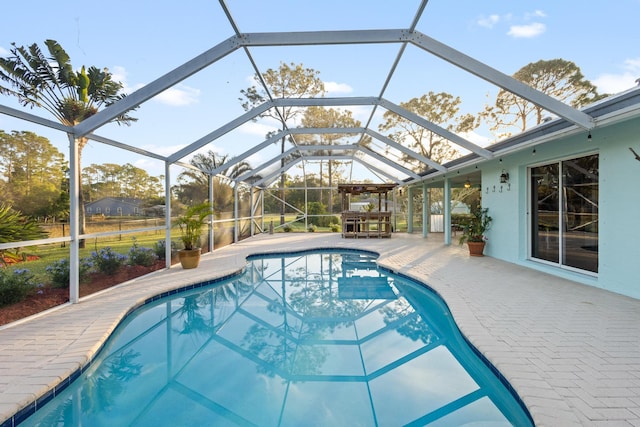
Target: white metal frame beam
388,162
437,129
336,37
249,115
298,131
502,80
157,86
23,115
246,40
297,149
390,142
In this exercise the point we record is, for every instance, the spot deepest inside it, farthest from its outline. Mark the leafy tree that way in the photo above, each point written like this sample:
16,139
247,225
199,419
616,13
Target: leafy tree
288,81
439,108
60,207
320,117
32,172
558,78
114,180
296,196
51,83
193,185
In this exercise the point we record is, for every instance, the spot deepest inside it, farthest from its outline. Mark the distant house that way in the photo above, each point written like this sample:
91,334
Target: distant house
115,206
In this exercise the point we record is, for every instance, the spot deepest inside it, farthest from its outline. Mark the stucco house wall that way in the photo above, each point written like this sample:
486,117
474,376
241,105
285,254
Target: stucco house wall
618,205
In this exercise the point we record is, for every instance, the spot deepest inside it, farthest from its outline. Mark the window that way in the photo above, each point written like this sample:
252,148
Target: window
564,213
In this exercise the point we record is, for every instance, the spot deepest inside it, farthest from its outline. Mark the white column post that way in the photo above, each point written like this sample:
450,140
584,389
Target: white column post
167,214
211,217
447,211
425,211
74,220
410,211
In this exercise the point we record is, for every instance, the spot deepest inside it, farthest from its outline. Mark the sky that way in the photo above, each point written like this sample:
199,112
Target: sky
141,40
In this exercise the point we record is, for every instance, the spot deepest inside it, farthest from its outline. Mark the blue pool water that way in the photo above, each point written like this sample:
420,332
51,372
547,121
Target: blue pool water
307,339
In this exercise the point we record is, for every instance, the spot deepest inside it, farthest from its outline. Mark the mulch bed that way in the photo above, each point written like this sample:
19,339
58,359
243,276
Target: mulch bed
51,297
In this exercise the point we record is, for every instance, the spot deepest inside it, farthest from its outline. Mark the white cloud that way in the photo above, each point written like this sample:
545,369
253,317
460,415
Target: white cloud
361,112
632,64
119,74
153,168
260,129
476,138
527,31
3,51
616,83
162,150
336,88
488,21
535,14
255,159
179,95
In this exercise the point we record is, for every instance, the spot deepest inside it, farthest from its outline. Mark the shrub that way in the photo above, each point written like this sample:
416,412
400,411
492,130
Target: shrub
312,228
15,285
141,256
287,228
107,261
59,271
159,249
335,228
15,227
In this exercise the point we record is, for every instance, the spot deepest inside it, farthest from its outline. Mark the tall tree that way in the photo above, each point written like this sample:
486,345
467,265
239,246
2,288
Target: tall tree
288,81
439,108
114,180
558,78
32,171
320,117
51,83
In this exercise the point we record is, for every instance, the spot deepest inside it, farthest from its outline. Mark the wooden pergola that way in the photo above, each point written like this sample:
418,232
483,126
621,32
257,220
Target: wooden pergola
346,190
368,223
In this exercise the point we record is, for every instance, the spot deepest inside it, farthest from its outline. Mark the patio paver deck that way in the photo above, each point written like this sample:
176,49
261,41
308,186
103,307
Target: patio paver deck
572,352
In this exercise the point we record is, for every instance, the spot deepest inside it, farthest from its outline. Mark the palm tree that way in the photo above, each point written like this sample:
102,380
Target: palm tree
193,184
52,84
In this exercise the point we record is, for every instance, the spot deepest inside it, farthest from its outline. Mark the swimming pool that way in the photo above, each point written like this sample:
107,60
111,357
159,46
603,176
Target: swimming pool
314,338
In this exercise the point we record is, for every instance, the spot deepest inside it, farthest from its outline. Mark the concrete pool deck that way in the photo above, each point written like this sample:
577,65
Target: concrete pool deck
571,352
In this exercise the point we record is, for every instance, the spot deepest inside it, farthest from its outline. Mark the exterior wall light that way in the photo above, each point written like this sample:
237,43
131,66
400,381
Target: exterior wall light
504,177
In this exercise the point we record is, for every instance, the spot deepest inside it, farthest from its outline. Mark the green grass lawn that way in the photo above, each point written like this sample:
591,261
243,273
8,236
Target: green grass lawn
121,243
48,254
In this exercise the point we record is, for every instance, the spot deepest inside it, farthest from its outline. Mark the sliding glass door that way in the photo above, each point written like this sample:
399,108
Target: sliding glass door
564,213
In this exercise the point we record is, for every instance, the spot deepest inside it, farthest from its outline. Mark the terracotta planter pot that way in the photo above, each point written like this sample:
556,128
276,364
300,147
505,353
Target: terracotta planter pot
189,258
476,248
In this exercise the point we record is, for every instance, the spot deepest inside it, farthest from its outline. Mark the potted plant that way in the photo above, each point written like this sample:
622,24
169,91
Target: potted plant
191,223
474,229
